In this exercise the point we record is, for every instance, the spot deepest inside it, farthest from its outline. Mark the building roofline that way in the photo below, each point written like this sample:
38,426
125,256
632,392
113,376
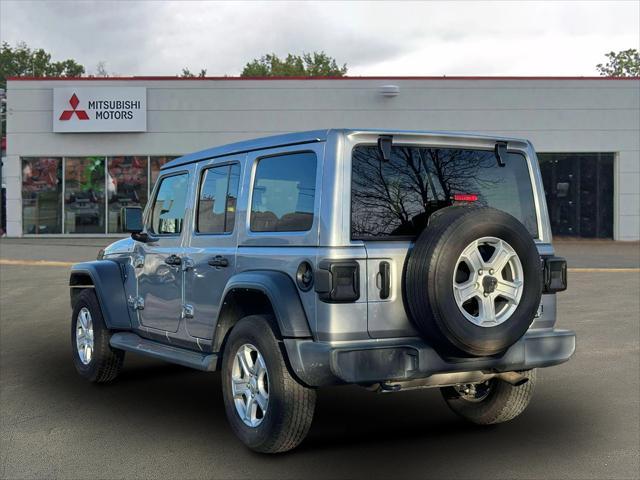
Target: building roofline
168,78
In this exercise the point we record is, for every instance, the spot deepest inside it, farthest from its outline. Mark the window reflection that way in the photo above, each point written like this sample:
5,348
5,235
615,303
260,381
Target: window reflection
87,193
84,195
41,195
218,197
397,197
156,164
126,187
284,193
579,192
168,210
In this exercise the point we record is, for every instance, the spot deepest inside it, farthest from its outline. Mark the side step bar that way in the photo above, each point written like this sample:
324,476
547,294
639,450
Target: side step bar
134,343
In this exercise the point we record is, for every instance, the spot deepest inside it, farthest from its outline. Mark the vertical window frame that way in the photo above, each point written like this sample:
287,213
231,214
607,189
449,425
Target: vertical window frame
64,192
203,172
60,208
254,174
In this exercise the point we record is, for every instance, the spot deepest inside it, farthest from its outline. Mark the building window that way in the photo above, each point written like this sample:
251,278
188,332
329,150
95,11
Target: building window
127,186
94,191
579,193
41,195
284,193
156,164
218,198
84,199
169,206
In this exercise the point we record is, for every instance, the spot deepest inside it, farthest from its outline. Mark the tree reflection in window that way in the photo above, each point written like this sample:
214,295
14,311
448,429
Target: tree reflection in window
396,198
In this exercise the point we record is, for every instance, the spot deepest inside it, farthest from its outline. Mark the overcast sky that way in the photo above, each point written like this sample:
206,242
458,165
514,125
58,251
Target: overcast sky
373,38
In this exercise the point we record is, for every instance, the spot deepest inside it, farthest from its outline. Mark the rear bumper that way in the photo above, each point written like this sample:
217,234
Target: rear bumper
371,361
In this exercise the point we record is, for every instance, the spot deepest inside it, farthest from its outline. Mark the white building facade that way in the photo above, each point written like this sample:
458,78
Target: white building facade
79,150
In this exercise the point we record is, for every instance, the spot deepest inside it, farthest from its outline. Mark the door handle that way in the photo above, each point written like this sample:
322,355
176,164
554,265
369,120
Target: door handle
385,280
218,261
173,260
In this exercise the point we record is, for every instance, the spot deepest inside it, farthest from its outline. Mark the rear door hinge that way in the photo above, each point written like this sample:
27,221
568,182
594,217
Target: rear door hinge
137,303
187,311
187,263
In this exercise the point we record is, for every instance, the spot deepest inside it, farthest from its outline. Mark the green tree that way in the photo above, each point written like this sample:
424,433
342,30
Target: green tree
625,63
186,73
22,61
316,64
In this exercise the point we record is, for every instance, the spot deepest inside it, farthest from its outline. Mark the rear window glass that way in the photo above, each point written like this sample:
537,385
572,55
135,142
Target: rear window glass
217,200
284,193
396,198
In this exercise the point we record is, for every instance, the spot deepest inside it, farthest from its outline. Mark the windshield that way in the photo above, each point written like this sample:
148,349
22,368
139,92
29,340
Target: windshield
395,198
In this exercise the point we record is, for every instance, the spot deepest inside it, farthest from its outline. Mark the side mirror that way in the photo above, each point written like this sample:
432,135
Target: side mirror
132,219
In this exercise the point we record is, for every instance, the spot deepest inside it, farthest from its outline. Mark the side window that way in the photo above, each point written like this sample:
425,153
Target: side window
217,201
167,215
283,193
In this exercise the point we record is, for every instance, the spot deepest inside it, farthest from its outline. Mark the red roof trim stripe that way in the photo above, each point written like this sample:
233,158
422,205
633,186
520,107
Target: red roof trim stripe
150,78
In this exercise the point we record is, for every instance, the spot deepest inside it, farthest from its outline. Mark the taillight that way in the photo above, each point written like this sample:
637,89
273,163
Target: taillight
554,274
338,281
465,197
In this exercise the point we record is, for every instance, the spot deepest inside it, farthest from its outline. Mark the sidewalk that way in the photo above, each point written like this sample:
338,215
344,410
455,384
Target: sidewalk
579,253
52,249
599,253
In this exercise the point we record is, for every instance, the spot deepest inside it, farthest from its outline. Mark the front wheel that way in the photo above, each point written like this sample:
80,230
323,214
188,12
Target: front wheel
93,357
268,409
491,402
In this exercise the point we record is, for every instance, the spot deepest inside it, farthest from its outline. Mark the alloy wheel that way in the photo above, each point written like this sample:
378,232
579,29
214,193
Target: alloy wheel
488,281
250,385
84,335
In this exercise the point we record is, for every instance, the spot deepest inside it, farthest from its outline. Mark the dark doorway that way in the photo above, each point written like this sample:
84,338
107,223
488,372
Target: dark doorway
579,192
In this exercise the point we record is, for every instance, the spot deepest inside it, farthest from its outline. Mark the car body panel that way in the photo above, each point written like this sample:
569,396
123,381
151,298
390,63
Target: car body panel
283,295
182,305
107,281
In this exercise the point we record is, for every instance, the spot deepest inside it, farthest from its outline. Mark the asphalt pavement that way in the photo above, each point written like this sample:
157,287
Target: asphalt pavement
165,421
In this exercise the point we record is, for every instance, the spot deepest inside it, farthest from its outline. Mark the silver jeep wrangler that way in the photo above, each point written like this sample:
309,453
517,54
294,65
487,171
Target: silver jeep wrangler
393,260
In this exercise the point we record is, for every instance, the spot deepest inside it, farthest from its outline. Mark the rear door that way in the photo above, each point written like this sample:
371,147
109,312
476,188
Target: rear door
211,253
392,201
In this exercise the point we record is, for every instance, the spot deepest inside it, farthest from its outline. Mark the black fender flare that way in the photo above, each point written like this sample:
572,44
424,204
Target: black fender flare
107,281
279,288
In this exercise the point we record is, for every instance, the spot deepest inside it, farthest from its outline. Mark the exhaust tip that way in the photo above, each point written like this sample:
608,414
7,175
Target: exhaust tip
513,378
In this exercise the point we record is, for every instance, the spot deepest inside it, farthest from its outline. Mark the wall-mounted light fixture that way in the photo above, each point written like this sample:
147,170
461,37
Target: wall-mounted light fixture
389,90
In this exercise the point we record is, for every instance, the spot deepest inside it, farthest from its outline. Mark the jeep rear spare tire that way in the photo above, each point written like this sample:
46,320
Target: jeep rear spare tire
473,281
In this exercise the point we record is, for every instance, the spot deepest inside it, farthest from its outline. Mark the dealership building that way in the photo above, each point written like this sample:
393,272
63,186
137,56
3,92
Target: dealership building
80,149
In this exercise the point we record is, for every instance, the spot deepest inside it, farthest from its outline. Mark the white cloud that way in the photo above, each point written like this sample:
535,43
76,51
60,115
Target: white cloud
373,38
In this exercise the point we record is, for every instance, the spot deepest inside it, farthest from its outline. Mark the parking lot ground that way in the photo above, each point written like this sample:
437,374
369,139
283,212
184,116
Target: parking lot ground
165,421
579,253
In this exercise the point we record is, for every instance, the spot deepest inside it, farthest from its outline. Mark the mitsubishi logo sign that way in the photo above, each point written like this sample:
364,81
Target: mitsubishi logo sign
67,114
99,109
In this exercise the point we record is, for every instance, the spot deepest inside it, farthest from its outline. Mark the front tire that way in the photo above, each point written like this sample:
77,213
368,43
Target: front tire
93,357
268,409
495,401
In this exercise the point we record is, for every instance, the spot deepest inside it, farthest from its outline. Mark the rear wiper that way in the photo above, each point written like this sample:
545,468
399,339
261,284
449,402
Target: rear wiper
384,147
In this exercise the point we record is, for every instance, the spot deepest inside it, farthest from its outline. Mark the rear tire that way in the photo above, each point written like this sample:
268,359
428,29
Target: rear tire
430,281
500,403
93,357
283,410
